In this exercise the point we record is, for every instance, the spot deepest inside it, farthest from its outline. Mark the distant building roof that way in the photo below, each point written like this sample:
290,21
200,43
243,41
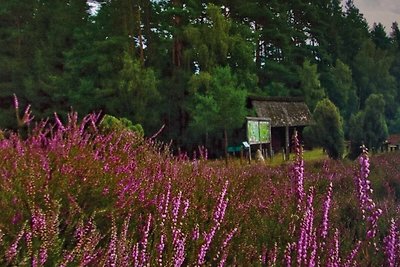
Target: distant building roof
283,111
394,139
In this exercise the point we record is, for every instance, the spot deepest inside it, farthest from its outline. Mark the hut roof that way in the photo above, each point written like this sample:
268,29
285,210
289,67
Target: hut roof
394,139
283,111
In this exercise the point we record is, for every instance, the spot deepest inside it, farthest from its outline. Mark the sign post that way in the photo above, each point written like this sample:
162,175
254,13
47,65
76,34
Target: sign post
248,148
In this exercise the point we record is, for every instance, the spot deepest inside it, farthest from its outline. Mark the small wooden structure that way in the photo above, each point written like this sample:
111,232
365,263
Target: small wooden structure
393,142
286,113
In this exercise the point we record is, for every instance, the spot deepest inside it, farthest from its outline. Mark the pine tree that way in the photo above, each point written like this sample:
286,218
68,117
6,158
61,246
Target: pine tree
339,86
107,68
311,87
354,34
54,25
372,75
379,37
15,54
220,105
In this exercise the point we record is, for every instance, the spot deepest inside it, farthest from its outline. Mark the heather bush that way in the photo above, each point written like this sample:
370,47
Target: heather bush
73,195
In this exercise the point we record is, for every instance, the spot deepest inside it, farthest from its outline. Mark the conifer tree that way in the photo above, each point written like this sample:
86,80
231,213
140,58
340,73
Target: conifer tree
329,128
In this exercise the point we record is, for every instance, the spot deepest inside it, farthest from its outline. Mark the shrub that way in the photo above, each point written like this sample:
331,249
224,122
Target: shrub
110,123
328,130
368,127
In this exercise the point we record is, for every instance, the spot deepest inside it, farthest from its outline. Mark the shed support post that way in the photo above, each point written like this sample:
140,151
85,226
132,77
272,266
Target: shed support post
271,153
287,144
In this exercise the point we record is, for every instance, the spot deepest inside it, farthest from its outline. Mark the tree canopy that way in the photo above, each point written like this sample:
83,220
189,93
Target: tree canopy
141,60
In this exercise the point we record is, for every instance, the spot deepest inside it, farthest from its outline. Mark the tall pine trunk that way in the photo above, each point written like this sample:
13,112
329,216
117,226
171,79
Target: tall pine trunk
177,45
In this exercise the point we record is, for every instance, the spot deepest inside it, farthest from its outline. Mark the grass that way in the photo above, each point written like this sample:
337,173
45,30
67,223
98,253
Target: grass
315,154
308,155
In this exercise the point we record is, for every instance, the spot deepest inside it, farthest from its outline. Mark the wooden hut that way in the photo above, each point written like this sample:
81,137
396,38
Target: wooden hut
286,114
393,142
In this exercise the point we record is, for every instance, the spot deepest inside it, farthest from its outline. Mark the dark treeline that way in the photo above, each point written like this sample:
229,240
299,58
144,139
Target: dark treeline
191,64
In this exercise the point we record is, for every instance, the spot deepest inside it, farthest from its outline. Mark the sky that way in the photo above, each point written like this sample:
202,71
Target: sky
94,6
384,11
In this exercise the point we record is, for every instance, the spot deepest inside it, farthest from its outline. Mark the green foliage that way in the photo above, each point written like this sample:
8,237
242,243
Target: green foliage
34,37
379,37
356,135
310,84
136,92
214,42
222,105
276,89
368,127
328,130
354,34
114,82
375,128
372,75
112,124
218,104
309,138
394,125
340,89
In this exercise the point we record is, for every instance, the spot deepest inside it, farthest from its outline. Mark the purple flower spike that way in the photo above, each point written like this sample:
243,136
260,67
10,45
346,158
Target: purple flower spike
391,242
370,211
298,171
16,104
326,208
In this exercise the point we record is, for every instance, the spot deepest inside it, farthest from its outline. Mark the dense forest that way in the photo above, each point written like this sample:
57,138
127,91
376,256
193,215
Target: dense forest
189,65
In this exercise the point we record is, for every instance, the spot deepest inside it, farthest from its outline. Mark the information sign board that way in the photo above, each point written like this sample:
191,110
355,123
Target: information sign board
258,130
253,133
265,131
